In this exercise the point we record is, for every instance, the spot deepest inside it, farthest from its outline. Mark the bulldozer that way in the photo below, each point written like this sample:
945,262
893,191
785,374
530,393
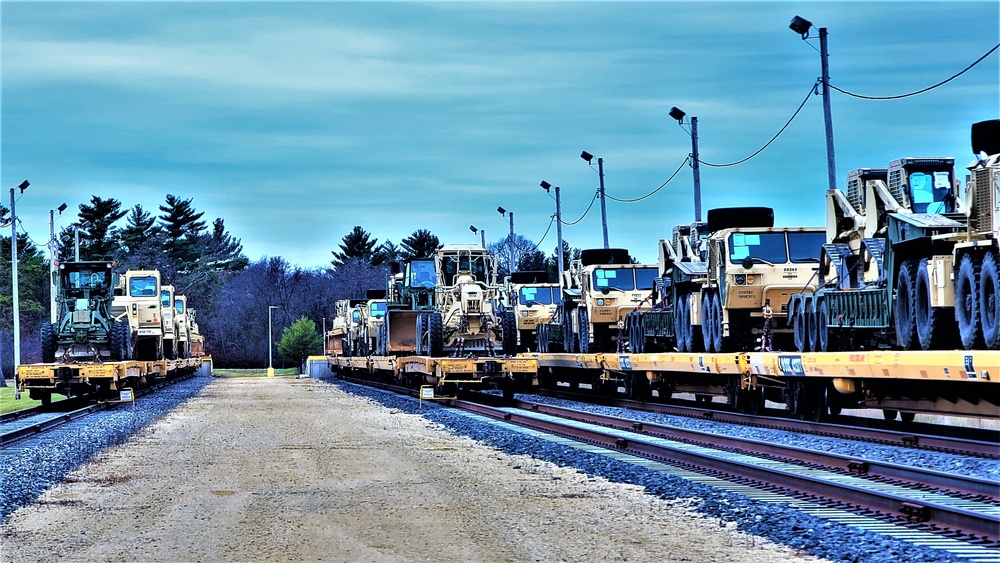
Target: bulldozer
86,329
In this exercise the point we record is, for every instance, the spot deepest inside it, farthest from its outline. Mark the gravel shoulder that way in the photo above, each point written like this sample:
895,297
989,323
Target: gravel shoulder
295,469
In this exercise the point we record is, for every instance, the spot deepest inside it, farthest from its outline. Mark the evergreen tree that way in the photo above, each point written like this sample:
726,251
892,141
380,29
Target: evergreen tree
222,251
357,244
533,261
183,228
300,340
387,253
97,219
140,228
420,244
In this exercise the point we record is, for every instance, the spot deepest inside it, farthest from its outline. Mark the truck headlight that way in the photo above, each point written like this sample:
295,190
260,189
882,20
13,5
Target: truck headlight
600,302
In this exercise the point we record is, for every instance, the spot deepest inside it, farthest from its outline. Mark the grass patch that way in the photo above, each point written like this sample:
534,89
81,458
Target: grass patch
259,372
9,404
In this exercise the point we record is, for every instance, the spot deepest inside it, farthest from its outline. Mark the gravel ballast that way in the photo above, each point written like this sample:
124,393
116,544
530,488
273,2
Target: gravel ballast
286,469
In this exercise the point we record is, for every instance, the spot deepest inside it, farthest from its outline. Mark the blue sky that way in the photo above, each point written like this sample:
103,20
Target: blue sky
296,121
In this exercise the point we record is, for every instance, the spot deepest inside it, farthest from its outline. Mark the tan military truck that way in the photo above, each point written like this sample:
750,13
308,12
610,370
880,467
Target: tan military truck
138,303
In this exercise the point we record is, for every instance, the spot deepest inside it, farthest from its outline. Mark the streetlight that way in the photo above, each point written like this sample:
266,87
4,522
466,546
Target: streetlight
482,234
545,186
679,116
13,276
510,239
801,26
270,342
53,257
604,210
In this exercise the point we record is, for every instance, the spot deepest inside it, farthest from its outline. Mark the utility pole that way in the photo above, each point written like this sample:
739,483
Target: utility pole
695,169
831,160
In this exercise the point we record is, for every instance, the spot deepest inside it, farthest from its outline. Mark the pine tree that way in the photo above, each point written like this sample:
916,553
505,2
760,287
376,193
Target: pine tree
140,228
97,219
420,244
357,244
183,228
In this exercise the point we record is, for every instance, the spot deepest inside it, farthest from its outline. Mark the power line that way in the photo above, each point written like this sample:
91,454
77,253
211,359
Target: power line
927,89
812,90
685,161
552,220
584,213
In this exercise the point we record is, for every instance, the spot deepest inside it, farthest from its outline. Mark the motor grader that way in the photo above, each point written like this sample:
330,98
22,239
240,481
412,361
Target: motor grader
446,306
85,329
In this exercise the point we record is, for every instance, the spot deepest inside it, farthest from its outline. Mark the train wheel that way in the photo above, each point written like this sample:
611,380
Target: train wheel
907,417
967,302
903,307
889,414
989,300
49,343
931,322
799,327
44,396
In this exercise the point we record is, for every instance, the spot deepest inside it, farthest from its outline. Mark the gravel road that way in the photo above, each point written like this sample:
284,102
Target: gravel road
296,470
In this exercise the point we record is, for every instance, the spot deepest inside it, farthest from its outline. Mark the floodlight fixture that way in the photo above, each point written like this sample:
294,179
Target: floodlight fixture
501,210
677,114
24,185
545,185
587,156
473,229
62,208
801,26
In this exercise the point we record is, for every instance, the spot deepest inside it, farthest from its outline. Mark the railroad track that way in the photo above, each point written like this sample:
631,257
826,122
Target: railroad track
31,422
957,514
938,438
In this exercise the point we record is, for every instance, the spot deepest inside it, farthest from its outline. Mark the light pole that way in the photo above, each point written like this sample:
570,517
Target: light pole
545,186
679,116
801,26
324,335
270,342
510,239
76,238
13,276
53,256
604,210
482,234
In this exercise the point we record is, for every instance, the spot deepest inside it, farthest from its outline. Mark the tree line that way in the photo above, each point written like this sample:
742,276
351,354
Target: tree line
205,262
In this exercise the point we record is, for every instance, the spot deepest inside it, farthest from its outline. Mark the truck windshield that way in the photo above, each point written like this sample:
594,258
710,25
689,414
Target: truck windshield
84,279
765,246
165,298
644,278
422,273
928,191
805,247
377,309
540,295
144,286
617,278
179,305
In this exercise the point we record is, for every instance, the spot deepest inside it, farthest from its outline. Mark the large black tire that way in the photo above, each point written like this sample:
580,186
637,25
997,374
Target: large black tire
584,324
822,326
811,325
989,300
117,344
800,327
707,322
932,323
906,282
682,323
435,331
967,302
718,341
49,343
508,332
570,342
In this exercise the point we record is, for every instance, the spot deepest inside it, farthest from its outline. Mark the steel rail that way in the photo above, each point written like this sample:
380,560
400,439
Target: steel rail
937,516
